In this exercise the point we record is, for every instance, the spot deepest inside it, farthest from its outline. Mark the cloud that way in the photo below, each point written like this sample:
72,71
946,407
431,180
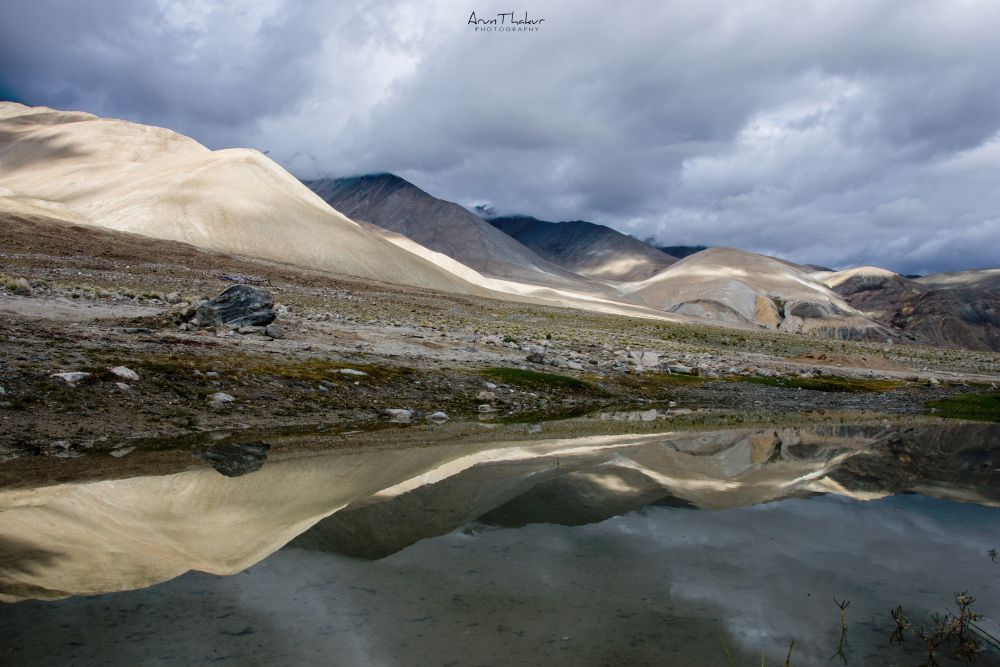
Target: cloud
834,133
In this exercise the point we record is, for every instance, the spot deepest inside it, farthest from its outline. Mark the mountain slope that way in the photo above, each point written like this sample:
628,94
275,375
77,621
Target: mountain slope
960,309
151,181
739,287
388,201
591,250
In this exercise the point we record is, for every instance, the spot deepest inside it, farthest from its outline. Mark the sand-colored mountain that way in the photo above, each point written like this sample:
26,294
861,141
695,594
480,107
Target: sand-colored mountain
136,178
738,287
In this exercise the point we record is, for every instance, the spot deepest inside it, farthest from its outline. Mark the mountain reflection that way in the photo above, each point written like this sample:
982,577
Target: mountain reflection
112,535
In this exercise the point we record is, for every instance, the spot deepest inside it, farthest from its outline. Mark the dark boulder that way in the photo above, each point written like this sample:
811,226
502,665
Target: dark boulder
235,459
238,306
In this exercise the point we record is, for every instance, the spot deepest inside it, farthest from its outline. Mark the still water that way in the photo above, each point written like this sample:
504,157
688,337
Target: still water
610,550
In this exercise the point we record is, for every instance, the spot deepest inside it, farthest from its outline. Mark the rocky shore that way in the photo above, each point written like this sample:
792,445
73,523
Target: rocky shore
106,350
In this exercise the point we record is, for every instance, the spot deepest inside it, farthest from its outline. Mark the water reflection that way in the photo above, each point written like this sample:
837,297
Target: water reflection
122,534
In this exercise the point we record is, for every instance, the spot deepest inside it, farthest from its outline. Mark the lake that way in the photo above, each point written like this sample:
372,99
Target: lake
666,548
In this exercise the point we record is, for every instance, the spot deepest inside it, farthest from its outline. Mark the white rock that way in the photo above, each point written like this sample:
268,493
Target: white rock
350,371
438,417
68,454
650,359
398,415
221,397
125,373
71,377
486,408
122,386
122,451
490,386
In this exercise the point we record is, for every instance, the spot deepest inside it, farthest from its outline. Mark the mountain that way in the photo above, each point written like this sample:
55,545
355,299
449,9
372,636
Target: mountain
392,203
124,176
740,287
591,250
959,309
681,251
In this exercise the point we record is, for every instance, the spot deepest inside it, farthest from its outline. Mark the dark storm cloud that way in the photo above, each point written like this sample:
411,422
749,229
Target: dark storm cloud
834,133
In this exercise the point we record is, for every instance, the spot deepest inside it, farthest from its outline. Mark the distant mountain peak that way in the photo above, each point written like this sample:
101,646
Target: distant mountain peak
587,248
394,204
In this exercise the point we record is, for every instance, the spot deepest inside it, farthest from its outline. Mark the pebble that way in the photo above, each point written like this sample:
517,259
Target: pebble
125,373
71,377
221,397
438,417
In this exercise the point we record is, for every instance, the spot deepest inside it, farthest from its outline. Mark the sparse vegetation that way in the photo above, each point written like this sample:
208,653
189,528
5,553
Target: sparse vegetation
958,633
825,383
974,406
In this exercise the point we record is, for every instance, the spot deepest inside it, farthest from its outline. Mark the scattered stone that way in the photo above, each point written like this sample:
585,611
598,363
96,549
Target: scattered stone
219,398
238,306
125,373
438,417
398,415
173,297
574,365
350,371
489,385
486,396
72,377
67,454
235,459
122,451
486,408
536,358
649,359
211,374
680,369
123,386
274,331
249,329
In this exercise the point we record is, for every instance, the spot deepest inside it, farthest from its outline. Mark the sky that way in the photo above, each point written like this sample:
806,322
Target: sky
836,133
